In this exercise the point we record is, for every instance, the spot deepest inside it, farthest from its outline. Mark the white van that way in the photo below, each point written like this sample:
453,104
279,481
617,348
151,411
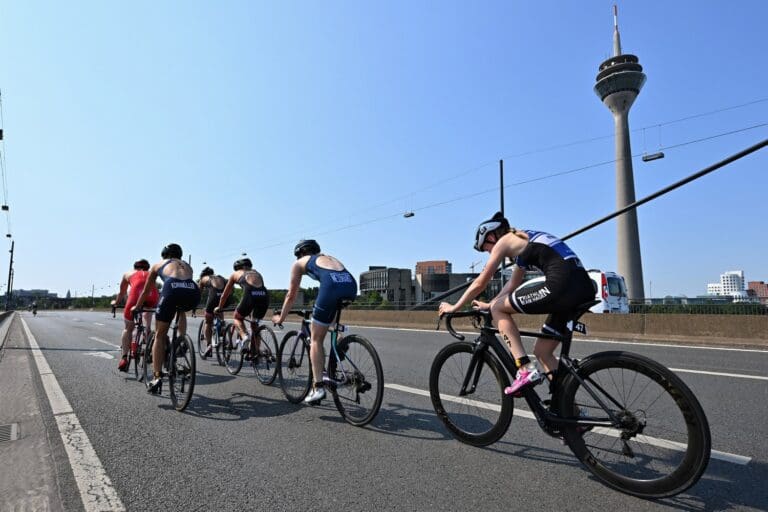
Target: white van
611,291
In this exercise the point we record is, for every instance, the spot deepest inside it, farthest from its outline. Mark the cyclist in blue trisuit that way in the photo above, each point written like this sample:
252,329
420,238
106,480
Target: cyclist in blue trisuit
179,290
566,285
336,283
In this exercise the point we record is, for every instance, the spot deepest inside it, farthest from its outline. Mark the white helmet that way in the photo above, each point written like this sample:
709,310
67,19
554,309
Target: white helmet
491,225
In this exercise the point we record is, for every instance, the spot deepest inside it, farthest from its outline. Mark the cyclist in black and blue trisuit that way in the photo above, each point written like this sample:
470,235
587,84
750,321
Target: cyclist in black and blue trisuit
336,283
255,300
179,291
566,285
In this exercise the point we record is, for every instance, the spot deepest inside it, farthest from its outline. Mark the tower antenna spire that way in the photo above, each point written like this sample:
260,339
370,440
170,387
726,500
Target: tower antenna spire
616,38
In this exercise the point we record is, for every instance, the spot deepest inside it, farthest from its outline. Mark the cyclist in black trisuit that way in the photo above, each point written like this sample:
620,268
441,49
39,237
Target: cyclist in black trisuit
255,299
566,285
214,283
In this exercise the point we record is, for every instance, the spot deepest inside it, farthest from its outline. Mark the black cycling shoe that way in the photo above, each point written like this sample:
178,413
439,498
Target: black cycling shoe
155,386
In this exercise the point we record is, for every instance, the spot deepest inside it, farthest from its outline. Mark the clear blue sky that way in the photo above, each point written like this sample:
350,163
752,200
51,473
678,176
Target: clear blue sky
233,127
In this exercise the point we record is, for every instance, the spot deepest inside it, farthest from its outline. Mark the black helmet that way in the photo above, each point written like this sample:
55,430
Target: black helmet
171,251
242,263
496,224
305,247
207,271
141,265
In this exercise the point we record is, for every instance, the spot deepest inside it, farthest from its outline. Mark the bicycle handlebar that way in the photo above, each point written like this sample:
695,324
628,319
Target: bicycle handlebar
303,313
477,315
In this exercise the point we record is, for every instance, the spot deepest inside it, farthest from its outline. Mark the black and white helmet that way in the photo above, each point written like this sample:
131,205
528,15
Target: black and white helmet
496,224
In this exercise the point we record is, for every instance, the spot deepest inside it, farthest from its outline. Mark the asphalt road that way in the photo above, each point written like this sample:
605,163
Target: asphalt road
241,446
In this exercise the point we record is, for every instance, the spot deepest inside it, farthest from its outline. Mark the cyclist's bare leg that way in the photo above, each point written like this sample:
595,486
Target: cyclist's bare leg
208,329
147,323
240,325
256,339
158,349
182,323
126,338
316,351
501,312
544,350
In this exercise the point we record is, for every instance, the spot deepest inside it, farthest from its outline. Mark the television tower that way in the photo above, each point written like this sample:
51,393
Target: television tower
619,80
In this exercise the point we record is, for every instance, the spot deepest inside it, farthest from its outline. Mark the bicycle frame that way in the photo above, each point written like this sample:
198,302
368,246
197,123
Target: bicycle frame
306,331
547,419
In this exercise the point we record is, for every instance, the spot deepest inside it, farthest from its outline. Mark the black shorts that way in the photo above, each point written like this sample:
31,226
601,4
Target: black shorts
213,300
557,295
176,293
255,300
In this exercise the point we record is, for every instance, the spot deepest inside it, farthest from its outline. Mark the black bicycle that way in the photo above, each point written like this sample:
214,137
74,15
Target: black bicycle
138,342
354,374
632,422
260,354
178,366
219,329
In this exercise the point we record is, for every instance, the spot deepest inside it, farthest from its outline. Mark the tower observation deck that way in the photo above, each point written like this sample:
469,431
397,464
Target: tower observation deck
619,80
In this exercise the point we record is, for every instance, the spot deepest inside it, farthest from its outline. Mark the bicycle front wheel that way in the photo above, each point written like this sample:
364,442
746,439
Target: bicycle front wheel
482,414
231,355
661,443
357,380
264,354
181,374
294,366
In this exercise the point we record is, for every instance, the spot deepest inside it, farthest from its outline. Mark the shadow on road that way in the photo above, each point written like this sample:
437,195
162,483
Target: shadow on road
238,407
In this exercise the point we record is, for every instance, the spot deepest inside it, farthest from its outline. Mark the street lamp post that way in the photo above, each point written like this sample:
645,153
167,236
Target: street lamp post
10,279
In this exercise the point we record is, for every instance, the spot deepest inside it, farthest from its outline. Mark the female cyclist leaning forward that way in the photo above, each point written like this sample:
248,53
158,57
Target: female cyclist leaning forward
566,285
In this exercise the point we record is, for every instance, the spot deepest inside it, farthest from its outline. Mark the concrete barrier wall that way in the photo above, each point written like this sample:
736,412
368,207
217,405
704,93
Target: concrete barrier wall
739,329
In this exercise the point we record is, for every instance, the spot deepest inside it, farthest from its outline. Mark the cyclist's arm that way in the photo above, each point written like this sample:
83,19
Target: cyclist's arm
226,292
517,278
123,291
297,270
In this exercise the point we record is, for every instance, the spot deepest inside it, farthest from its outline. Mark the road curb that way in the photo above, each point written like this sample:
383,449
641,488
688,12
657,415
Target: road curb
6,319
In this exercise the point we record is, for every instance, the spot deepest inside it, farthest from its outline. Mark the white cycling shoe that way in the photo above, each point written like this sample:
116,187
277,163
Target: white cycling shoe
315,396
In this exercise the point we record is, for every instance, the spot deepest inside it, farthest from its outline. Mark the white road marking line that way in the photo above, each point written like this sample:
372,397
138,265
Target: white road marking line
94,338
96,490
720,374
577,338
663,443
97,323
100,354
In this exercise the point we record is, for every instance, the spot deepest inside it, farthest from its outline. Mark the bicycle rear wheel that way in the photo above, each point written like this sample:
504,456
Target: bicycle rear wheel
181,374
482,416
146,360
294,366
358,380
264,359
218,340
231,355
663,444
202,345
138,357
